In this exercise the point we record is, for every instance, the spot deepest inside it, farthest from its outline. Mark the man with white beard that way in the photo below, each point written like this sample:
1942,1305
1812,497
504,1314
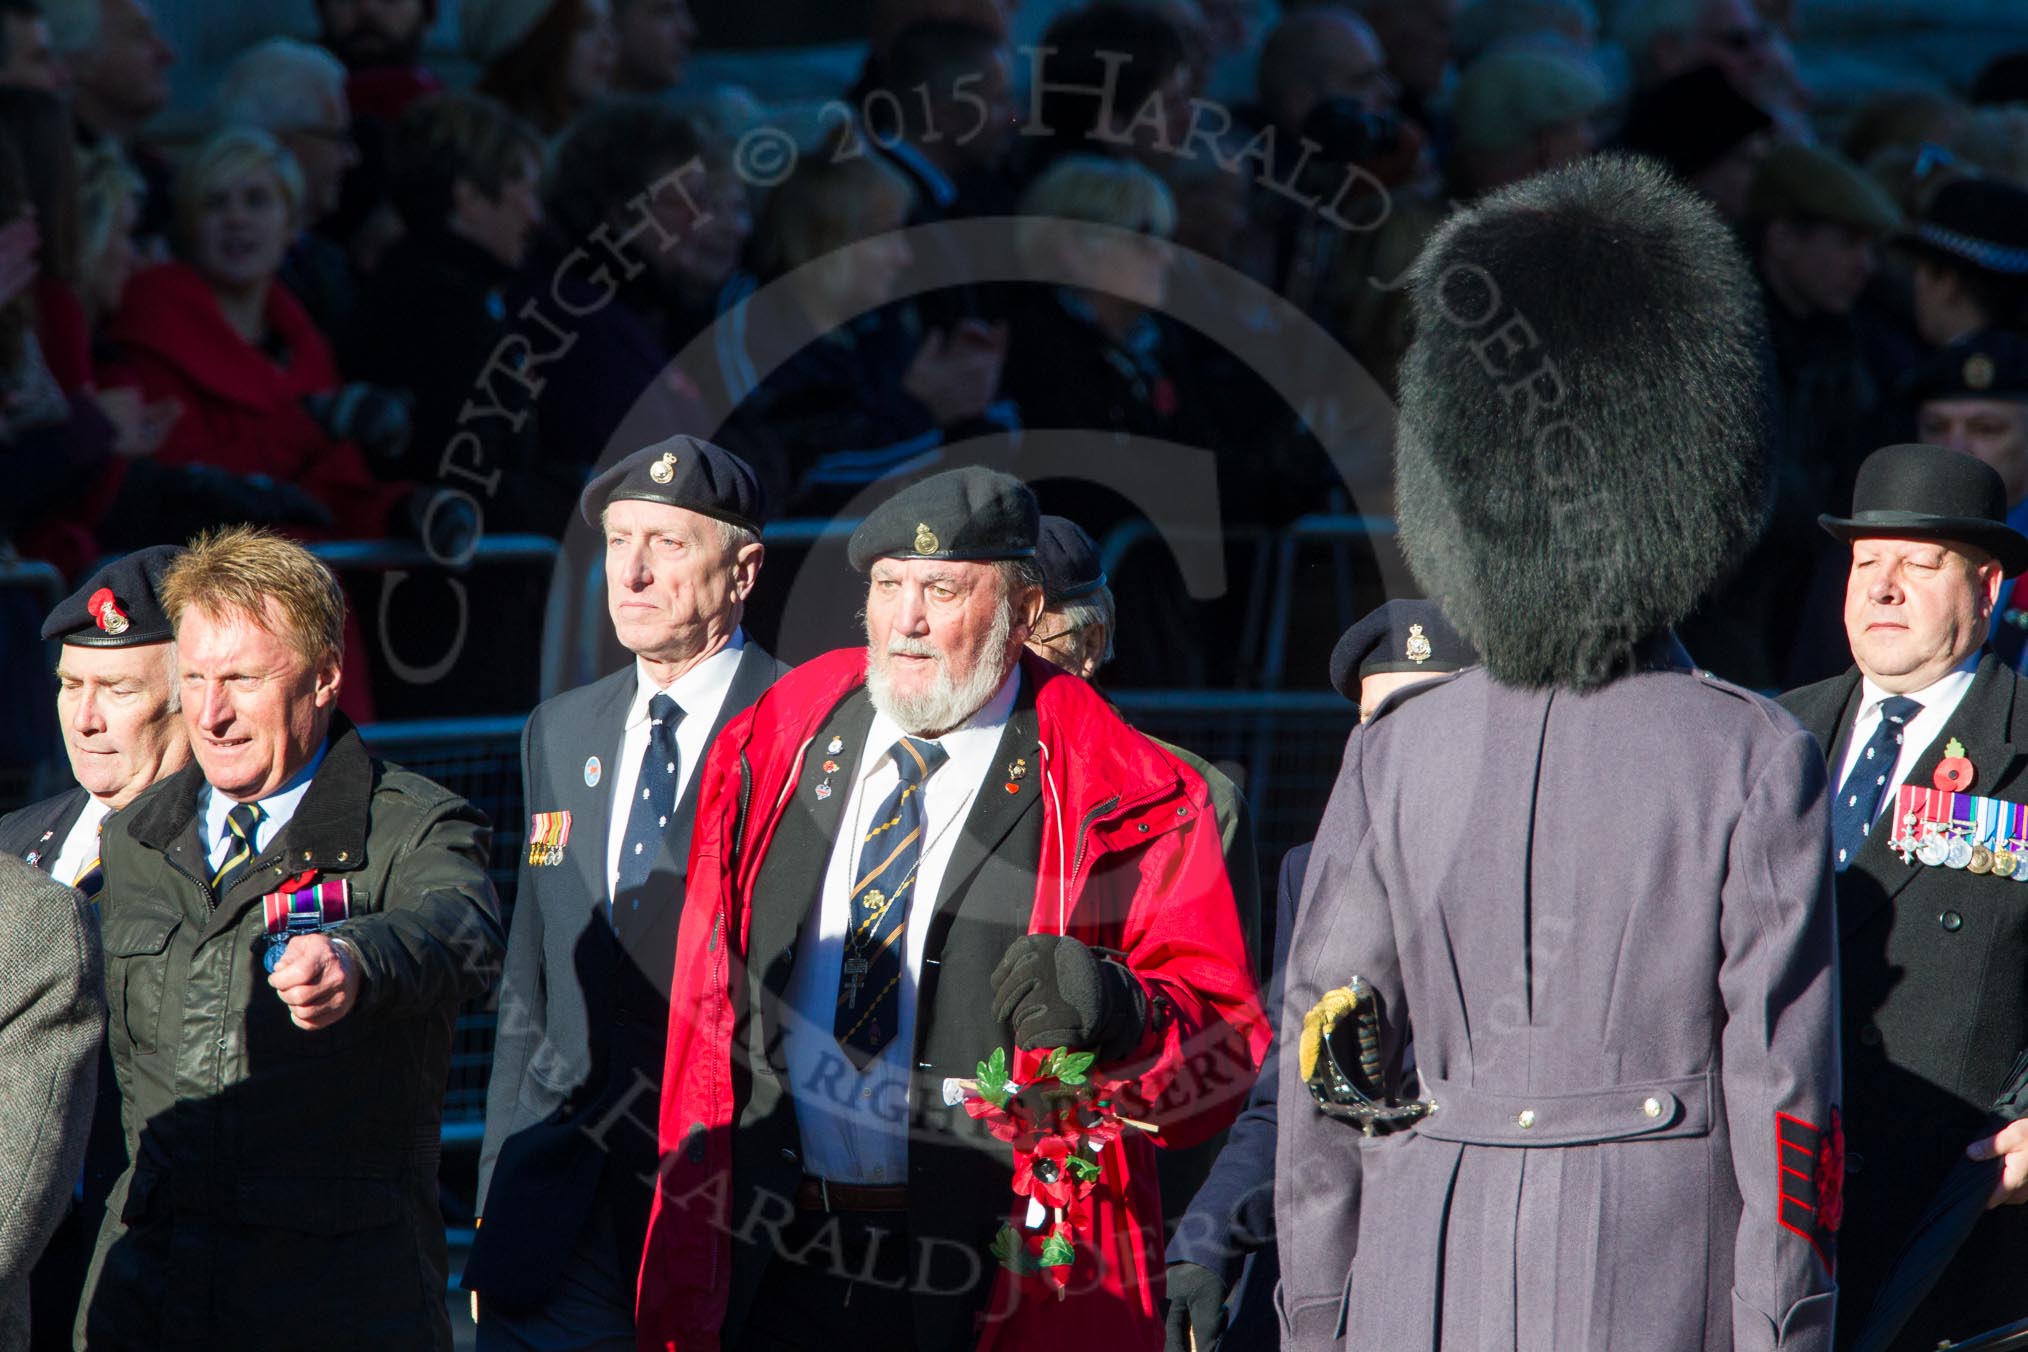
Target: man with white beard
907,856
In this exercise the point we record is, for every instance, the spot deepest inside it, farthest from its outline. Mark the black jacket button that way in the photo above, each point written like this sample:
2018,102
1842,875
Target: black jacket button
1951,921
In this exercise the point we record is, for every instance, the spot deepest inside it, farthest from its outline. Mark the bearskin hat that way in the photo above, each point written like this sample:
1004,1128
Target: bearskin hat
1579,454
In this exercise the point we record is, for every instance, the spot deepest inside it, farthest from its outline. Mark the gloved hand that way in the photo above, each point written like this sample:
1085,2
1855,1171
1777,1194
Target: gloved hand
1052,991
1196,1309
377,420
449,529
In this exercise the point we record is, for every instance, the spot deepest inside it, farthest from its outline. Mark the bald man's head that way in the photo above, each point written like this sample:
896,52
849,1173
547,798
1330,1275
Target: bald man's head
1321,53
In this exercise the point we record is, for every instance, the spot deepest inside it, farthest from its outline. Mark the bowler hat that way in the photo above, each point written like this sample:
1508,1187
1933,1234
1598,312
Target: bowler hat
1920,492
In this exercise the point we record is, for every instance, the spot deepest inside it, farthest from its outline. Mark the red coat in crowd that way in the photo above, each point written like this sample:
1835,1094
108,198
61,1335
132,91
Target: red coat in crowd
1130,862
242,410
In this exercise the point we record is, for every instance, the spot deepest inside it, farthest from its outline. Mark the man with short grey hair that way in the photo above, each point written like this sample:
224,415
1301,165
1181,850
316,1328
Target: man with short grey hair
610,778
118,67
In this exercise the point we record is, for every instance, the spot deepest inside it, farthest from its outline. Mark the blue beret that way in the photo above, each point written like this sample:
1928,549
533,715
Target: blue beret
970,513
1069,558
1405,635
681,472
119,606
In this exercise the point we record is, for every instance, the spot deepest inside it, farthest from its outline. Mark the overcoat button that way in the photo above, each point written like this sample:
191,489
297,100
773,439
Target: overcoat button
1854,1163
1951,921
1869,1035
1525,1119
1652,1108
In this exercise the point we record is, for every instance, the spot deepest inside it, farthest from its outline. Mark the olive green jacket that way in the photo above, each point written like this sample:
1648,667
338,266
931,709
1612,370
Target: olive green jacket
237,1119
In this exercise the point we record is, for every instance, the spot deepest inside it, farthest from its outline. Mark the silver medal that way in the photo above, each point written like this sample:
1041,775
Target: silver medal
1960,853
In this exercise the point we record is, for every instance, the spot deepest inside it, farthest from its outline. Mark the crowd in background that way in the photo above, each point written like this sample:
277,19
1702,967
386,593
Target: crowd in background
361,304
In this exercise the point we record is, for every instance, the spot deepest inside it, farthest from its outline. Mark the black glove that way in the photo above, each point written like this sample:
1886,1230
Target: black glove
449,529
1196,1309
377,420
1054,992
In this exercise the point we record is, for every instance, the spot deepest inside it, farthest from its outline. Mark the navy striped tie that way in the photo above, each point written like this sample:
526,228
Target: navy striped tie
869,986
1858,800
241,824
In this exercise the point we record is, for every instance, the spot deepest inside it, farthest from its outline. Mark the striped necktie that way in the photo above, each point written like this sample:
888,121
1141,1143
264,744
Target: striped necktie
91,879
240,824
869,986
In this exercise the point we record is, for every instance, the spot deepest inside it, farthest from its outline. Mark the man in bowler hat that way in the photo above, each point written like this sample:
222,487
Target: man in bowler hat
1930,955
610,780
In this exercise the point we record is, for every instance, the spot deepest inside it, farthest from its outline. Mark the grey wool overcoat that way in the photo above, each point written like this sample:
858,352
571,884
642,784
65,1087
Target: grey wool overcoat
1600,925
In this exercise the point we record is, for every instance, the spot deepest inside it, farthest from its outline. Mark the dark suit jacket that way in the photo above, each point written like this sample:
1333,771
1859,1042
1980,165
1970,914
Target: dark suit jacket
1934,967
1230,1226
584,1005
39,828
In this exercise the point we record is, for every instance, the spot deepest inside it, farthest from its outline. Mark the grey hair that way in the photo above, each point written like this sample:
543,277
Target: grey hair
1086,611
1017,575
280,85
731,538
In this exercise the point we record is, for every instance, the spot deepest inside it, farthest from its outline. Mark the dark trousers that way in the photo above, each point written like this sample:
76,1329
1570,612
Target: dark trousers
589,1309
838,1282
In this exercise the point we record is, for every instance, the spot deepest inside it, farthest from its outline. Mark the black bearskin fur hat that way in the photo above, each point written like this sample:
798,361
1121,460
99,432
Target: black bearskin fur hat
1580,447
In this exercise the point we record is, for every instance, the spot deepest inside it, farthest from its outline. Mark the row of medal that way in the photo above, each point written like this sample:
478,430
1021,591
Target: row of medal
1961,831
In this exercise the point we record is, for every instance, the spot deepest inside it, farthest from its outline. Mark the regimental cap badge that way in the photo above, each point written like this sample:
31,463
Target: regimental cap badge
1978,372
105,609
663,470
926,541
1418,645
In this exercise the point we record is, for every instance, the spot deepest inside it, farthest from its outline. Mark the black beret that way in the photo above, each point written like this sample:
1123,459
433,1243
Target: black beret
970,513
1691,121
1989,364
681,472
1403,635
1069,559
119,606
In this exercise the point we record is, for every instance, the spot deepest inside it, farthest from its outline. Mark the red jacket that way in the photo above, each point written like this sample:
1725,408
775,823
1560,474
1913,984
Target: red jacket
1109,797
241,411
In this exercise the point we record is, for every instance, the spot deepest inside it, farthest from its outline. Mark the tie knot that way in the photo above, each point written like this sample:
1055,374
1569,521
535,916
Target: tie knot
1899,708
664,710
242,820
917,759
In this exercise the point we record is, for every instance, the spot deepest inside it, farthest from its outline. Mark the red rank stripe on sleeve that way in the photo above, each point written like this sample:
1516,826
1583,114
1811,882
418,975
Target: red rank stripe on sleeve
1810,1183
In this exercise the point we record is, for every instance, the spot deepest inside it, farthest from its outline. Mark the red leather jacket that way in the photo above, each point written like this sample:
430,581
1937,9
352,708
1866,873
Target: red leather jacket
1119,816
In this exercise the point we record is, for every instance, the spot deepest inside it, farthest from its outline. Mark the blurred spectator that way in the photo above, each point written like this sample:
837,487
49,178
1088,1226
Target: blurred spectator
654,39
27,56
1517,113
620,198
952,93
1416,35
296,93
1900,118
380,42
1486,26
1973,397
219,333
1701,126
547,60
1135,52
1664,38
464,174
705,257
1813,223
1317,54
118,65
1971,260
109,202
1994,141
848,386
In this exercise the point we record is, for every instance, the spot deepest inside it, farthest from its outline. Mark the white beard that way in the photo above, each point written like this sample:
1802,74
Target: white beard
947,703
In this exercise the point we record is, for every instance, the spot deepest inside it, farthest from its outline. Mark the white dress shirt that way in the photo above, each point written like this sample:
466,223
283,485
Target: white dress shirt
855,1123
276,809
699,693
1939,701
81,846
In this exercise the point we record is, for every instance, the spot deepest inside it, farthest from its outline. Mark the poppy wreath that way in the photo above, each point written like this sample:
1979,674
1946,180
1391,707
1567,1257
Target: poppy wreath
1059,1121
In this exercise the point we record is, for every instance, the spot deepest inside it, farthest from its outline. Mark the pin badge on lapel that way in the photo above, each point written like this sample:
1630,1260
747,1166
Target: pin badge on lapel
1954,773
1017,769
592,771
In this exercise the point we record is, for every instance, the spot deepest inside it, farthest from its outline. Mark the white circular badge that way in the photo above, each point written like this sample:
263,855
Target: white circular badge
592,770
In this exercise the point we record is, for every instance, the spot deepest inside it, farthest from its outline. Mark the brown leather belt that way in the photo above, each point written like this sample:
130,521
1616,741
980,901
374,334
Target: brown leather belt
816,1194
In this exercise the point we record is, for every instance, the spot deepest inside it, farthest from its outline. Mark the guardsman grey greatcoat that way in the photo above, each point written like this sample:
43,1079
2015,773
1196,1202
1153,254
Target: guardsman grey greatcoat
1584,890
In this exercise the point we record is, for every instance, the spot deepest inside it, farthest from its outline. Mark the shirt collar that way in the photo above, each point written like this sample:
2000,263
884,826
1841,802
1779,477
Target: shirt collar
1948,687
283,802
702,684
982,726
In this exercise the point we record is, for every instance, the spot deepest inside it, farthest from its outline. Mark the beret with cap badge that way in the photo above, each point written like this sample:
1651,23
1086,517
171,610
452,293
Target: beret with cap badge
972,513
682,471
119,606
1399,635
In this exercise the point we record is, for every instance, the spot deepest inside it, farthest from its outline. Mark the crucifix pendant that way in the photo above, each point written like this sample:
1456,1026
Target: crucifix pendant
855,973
